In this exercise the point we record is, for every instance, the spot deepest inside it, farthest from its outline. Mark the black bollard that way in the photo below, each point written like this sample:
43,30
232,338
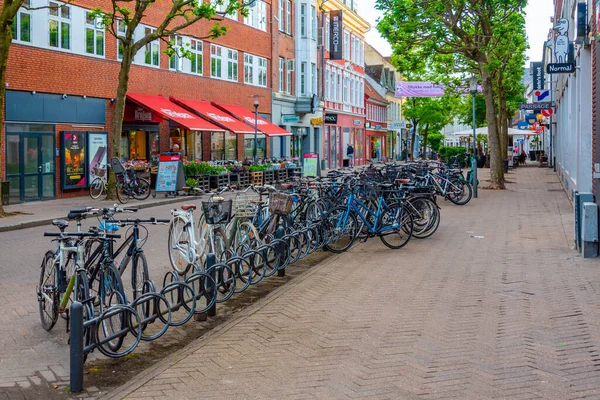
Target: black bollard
211,260
280,233
76,339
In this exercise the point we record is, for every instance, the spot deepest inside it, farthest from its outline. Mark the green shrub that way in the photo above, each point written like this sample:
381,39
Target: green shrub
447,153
196,168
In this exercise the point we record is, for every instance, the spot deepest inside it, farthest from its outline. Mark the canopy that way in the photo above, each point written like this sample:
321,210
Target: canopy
247,116
173,112
484,131
215,115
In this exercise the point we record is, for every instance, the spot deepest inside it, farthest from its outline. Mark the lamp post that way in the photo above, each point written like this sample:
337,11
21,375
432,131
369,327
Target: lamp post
256,104
473,90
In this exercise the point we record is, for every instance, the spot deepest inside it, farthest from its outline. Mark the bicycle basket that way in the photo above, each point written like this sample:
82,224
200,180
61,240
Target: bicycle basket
100,172
243,207
280,203
218,212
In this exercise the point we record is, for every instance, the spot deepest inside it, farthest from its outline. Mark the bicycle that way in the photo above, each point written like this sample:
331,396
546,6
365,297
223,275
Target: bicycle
128,184
99,185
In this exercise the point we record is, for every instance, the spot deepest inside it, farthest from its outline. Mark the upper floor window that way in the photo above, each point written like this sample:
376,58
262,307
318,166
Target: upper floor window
257,15
327,33
248,68
221,7
216,61
346,90
152,50
346,45
290,70
313,75
262,71
281,15
196,50
59,26
288,17
94,35
232,65
303,68
313,19
176,60
303,20
21,27
255,70
281,75
327,89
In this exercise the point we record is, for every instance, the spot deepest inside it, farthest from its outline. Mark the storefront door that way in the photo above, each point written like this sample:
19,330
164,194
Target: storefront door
32,174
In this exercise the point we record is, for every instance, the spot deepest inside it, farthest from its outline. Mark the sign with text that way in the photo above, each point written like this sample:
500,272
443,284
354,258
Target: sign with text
561,68
426,89
537,106
135,113
336,35
97,152
290,118
311,163
331,118
397,125
537,69
73,148
170,176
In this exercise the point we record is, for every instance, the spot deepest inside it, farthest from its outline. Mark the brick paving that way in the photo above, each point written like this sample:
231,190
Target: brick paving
512,315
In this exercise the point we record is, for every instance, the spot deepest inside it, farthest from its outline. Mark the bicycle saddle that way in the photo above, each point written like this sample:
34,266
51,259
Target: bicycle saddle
265,188
287,186
60,223
403,180
187,207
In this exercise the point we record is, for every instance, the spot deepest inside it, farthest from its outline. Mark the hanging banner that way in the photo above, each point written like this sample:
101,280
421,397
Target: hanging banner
424,89
537,69
73,155
97,152
337,35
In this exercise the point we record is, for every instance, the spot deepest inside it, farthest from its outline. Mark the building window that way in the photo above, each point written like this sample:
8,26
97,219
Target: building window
196,50
351,92
339,87
59,26
332,92
152,55
232,65
288,18
21,27
346,90
262,71
290,69
249,68
327,89
303,20
313,75
222,8
121,29
257,15
216,61
313,20
281,15
176,61
281,75
346,46
303,78
327,33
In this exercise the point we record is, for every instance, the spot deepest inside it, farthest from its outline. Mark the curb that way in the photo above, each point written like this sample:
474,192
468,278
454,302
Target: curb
47,221
181,354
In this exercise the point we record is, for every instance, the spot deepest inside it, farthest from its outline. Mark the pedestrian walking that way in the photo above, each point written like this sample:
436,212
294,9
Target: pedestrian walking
350,155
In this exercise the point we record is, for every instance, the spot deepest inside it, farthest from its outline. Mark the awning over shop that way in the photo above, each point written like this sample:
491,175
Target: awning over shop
247,116
215,115
173,112
371,132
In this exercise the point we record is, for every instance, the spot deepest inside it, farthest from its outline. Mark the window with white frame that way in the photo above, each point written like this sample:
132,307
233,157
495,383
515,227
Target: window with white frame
357,91
352,92
339,87
59,26
327,85
197,57
288,17
332,93
257,15
290,69
313,75
346,90
281,75
313,20
176,60
222,8
152,50
121,30
255,70
216,61
21,27
352,49
262,71
232,65
327,33
362,94
281,15
303,68
346,45
248,68
303,20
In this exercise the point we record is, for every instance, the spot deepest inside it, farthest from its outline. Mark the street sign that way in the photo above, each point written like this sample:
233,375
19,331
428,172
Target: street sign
548,112
538,106
541,95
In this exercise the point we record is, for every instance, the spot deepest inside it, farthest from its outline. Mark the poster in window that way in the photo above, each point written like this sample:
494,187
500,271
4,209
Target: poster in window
97,143
73,145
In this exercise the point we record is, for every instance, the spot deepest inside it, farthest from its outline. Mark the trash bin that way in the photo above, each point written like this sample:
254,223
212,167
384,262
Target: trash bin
5,190
505,165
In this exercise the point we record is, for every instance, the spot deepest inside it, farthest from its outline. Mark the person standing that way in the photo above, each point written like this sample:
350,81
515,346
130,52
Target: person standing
350,155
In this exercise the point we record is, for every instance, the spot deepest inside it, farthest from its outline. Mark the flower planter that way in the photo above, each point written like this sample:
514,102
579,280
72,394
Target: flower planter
243,180
217,181
203,182
281,175
256,177
293,173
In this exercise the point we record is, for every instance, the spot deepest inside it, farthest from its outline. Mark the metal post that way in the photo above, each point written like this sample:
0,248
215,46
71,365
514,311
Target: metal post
211,260
280,234
76,347
255,132
474,160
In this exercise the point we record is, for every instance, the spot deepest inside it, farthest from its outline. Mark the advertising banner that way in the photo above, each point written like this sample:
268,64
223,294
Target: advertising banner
537,69
311,163
73,149
97,143
337,35
424,89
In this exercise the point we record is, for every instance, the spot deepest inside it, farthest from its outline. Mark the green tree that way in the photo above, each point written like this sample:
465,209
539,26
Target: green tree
435,141
426,115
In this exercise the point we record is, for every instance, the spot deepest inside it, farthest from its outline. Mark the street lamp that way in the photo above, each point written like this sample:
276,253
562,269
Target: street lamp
256,104
473,90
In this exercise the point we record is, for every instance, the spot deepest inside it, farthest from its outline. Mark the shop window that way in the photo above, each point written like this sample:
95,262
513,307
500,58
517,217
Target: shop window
152,50
94,34
230,146
261,144
177,136
194,146
21,27
217,145
59,25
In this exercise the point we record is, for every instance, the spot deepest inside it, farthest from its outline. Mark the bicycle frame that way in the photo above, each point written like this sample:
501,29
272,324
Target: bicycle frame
357,206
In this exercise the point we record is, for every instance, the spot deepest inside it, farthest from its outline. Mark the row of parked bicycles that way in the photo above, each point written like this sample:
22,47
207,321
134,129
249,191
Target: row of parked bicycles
238,237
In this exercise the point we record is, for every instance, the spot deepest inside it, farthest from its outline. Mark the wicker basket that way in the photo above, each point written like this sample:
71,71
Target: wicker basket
243,207
280,203
218,212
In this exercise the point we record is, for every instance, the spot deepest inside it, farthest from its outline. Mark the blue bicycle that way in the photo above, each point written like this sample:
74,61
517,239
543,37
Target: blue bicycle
392,222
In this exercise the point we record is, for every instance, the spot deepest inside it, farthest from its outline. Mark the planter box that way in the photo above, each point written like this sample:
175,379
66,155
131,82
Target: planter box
244,180
256,178
281,175
293,173
269,177
217,181
203,181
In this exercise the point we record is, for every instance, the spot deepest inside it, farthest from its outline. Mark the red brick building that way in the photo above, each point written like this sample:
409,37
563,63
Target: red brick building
62,80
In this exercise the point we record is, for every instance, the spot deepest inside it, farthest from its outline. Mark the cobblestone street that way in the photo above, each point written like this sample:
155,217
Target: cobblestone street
496,304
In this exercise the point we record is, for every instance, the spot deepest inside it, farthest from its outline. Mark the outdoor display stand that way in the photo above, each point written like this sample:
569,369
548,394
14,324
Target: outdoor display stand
170,178
311,165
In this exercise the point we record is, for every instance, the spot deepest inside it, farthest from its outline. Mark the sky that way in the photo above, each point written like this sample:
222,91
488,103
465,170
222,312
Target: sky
537,20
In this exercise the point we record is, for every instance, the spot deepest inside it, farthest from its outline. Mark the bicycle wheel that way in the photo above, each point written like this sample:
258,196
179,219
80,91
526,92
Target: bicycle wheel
460,193
122,192
96,188
112,292
139,274
247,237
179,246
426,216
343,229
221,245
141,191
396,226
47,292
313,212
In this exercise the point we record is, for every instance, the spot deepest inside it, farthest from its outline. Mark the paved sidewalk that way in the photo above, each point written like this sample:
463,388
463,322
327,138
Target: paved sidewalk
495,305
43,212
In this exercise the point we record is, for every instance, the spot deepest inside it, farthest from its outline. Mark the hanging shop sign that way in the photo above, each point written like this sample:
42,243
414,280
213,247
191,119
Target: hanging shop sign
331,118
290,118
73,156
135,113
562,50
537,69
97,143
337,35
397,125
537,106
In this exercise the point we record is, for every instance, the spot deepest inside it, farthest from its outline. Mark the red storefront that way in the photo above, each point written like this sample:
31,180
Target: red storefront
341,130
376,126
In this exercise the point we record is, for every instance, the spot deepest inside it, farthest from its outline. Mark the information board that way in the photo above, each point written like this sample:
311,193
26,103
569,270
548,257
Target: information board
170,176
73,157
311,165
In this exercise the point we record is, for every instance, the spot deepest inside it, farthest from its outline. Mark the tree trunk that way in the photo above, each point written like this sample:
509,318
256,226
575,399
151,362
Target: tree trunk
119,113
496,170
425,134
5,41
413,136
502,119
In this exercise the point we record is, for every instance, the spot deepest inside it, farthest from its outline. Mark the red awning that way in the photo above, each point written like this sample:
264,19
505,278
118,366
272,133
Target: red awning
375,133
247,116
173,112
214,115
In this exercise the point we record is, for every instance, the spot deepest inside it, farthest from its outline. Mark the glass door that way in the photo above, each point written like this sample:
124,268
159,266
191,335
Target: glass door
38,175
